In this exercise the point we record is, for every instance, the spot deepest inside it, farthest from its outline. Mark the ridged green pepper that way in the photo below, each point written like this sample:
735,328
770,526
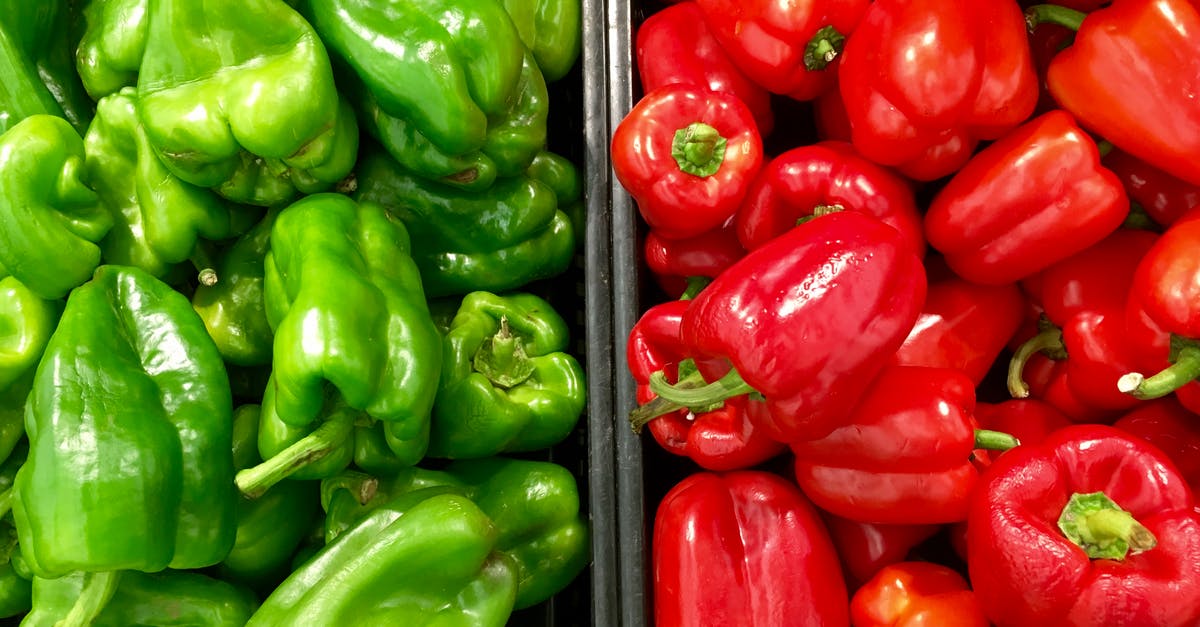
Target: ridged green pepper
426,558
37,72
534,505
238,95
507,385
447,87
130,463
497,240
114,39
124,598
50,220
553,31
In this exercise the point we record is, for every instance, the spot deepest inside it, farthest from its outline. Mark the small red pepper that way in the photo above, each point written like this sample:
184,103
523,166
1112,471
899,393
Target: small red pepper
822,178
924,80
687,156
1048,382
1036,196
1091,527
865,548
903,456
915,594
1028,419
807,320
744,548
1171,427
790,48
674,45
1163,197
1132,75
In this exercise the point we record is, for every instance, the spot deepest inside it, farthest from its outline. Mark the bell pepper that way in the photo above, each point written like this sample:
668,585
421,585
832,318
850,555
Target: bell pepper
28,321
1173,429
464,241
1144,108
428,557
820,178
116,599
910,594
687,156
924,80
560,174
1047,381
1029,420
1163,197
12,413
788,48
680,265
1036,196
1090,527
16,592
129,436
345,301
449,90
507,384
37,70
837,294
110,51
254,113
553,32
534,506
234,307
50,220
743,548
904,454
674,45
866,548
717,438
158,219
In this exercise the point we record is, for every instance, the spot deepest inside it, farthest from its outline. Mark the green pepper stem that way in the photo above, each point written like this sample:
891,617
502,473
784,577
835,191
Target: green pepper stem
1099,526
690,393
202,259
698,149
255,481
694,285
1053,14
1185,370
823,48
1048,340
98,589
502,358
994,440
1139,220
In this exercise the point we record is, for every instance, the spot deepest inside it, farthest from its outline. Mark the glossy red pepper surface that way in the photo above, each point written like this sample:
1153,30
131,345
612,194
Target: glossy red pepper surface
1171,427
1028,419
916,594
674,261
865,548
1163,197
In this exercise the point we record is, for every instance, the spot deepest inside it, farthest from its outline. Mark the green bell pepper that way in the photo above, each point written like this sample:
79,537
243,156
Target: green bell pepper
37,71
552,30
234,308
8,475
507,385
426,558
159,219
238,95
50,220
464,241
124,598
447,87
562,176
130,463
26,323
12,413
534,505
16,592
114,39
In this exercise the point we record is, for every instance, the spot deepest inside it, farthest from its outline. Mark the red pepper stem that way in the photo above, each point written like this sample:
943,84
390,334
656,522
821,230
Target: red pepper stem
1099,526
690,393
994,440
1185,370
1053,14
1047,340
698,149
824,47
253,482
98,589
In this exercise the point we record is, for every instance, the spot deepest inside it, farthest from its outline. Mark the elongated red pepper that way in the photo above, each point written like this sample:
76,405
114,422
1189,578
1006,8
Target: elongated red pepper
924,80
912,594
1171,427
821,178
903,456
1163,197
789,48
1036,196
1132,75
806,320
1091,527
687,155
676,261
865,548
744,548
721,438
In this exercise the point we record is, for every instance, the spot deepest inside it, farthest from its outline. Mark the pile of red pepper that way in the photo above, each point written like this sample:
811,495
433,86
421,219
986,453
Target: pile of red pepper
938,366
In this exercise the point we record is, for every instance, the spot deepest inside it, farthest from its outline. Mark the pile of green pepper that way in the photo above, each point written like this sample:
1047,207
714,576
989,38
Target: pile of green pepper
271,345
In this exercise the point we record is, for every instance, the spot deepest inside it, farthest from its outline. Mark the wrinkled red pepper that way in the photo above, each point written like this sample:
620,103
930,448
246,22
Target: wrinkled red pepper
821,178
1163,197
915,594
1091,527
744,548
674,262
924,80
789,48
687,156
1171,427
674,45
1132,75
903,456
1036,196
865,548
806,320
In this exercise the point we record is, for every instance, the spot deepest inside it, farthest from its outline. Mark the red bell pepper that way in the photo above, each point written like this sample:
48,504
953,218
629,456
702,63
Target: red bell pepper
1048,382
1163,197
1091,527
865,548
1132,75
924,80
789,48
806,320
687,156
1036,196
964,326
676,261
721,438
914,594
820,178
674,45
744,548
1171,427
1028,419
903,456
